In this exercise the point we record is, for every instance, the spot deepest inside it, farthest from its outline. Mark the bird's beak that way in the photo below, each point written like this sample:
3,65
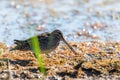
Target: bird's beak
68,45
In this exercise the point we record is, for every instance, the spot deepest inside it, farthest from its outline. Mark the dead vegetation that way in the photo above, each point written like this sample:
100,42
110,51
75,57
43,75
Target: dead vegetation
93,59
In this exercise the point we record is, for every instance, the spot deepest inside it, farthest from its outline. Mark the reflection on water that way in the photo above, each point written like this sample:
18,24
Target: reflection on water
79,20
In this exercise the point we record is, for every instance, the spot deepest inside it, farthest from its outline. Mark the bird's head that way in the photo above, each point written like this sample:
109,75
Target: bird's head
58,34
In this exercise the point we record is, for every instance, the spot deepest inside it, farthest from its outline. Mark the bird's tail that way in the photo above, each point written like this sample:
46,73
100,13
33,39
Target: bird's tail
20,45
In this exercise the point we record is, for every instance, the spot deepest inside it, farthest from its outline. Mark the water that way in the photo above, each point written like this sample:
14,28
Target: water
19,19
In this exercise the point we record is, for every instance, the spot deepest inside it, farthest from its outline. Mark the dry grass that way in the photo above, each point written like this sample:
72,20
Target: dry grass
94,58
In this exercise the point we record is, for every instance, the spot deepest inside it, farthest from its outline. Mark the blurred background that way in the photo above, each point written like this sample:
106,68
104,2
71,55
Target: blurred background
79,20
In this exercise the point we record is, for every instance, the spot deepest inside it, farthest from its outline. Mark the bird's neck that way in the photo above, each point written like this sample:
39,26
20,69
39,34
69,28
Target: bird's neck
53,41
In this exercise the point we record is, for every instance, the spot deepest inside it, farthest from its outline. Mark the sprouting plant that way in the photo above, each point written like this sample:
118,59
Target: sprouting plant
35,46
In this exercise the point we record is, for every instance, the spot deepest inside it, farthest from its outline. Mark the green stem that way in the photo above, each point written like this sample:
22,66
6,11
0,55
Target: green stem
36,48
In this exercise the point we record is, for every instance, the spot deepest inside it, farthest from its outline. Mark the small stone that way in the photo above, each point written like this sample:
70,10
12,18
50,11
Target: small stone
79,33
40,28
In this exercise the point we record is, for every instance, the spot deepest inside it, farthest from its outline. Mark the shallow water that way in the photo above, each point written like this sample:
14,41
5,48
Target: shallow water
20,19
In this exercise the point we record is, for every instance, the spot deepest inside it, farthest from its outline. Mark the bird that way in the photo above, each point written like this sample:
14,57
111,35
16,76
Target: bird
47,42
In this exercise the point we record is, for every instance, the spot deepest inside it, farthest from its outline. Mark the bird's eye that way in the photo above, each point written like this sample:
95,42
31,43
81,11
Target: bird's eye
59,33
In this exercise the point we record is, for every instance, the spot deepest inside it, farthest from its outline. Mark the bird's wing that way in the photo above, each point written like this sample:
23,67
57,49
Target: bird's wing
40,36
43,36
46,34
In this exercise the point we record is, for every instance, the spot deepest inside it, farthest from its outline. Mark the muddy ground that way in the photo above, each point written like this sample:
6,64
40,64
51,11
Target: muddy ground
92,28
94,60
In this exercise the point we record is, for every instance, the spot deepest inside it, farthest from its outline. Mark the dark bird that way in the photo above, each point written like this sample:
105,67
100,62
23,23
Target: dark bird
47,41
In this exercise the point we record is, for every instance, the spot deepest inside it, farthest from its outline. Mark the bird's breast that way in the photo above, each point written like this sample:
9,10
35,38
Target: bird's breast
49,44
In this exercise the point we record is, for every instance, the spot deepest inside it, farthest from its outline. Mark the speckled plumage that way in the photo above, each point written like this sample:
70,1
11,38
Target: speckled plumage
48,42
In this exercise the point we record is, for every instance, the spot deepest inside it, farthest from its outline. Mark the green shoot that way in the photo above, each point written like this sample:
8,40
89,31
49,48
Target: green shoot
35,46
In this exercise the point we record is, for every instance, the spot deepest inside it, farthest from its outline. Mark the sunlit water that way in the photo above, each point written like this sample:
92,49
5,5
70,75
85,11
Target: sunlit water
19,20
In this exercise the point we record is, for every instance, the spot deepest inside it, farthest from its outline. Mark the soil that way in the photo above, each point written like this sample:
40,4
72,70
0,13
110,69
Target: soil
94,60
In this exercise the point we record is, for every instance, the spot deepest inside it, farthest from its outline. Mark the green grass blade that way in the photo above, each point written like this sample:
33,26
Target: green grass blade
35,46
